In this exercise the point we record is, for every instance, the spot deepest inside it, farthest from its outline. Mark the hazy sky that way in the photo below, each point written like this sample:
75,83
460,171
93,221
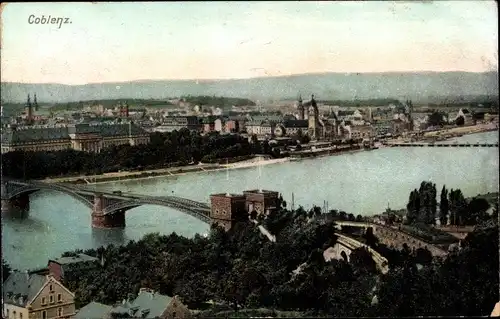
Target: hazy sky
200,40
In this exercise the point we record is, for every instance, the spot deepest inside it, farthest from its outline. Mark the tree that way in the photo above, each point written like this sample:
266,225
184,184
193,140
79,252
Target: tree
427,196
413,207
477,211
458,207
6,270
436,119
460,121
444,206
370,238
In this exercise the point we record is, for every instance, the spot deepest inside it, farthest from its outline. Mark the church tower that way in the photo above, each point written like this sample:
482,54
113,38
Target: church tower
29,111
301,109
35,103
313,119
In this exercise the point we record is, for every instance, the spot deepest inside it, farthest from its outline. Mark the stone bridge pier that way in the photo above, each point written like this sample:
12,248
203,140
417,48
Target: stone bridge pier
101,220
17,205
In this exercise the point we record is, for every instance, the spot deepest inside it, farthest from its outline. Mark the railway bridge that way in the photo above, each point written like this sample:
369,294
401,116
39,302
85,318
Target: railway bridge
395,237
107,208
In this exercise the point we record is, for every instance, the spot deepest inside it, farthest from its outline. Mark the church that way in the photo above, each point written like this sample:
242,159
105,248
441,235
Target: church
319,127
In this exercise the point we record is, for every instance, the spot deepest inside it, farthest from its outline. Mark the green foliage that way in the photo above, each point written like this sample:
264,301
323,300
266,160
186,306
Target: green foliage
460,121
242,269
422,204
458,207
436,119
133,103
6,270
362,103
444,206
218,101
165,150
464,284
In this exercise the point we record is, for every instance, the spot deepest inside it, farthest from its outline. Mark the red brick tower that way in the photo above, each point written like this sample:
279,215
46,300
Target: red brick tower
226,209
262,201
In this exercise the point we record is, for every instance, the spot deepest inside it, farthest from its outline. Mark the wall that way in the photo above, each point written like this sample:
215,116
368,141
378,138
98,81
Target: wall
67,301
336,251
55,270
397,239
8,312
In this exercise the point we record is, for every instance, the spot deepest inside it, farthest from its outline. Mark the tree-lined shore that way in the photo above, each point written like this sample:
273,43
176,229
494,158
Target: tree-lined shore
241,271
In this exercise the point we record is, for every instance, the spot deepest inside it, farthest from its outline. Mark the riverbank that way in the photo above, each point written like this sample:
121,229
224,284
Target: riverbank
254,162
446,134
463,130
174,171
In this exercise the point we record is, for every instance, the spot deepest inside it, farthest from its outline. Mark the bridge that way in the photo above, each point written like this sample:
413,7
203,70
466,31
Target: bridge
395,238
108,209
347,245
442,145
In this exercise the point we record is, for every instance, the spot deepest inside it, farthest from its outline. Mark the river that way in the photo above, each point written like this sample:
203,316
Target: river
359,183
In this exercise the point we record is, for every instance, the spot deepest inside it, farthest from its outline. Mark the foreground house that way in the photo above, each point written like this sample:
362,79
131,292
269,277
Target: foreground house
34,296
148,305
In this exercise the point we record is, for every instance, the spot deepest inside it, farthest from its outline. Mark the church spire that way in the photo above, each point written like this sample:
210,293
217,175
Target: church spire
301,108
29,111
35,103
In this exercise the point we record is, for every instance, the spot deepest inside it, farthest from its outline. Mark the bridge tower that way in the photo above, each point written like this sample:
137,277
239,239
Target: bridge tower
227,209
110,220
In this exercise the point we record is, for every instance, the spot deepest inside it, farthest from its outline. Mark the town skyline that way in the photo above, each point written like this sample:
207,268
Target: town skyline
129,43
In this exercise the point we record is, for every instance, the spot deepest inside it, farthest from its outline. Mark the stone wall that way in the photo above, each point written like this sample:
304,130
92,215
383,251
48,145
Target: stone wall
396,239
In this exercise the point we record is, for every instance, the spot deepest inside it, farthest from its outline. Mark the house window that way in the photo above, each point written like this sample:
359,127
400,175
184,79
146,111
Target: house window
59,297
44,301
60,311
44,314
20,315
174,314
51,288
51,299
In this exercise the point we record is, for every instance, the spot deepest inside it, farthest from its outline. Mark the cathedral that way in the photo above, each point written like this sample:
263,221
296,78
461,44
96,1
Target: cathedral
29,110
319,127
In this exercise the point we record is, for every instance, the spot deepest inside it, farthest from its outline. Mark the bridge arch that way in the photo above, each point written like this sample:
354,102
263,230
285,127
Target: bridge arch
195,209
14,189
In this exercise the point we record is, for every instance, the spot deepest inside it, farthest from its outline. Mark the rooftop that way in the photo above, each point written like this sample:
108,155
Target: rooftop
260,191
148,304
22,284
93,310
228,195
75,259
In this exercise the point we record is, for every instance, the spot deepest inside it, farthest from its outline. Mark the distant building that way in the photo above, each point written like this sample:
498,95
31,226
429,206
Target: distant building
263,202
27,296
176,123
364,132
148,305
58,267
208,124
81,137
466,115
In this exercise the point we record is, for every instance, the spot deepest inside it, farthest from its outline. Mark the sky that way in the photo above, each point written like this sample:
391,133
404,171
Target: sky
114,42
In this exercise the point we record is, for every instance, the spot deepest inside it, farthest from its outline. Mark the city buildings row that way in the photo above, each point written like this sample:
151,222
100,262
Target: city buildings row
130,126
41,294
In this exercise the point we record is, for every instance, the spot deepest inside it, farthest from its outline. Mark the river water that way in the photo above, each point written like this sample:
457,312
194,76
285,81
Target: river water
359,183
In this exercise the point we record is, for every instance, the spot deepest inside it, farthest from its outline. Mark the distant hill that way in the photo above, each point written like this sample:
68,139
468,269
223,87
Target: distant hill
423,87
